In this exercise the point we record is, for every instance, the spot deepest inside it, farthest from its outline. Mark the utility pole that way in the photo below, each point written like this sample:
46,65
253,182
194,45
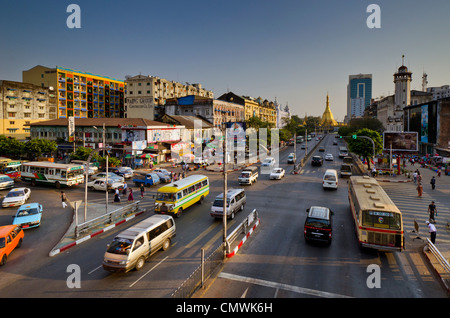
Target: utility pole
225,189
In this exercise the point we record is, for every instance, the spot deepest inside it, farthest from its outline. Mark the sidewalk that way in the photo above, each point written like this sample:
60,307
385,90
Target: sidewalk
95,210
443,182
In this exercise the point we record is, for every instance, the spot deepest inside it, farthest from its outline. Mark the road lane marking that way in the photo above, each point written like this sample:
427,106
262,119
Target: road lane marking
203,234
149,271
296,289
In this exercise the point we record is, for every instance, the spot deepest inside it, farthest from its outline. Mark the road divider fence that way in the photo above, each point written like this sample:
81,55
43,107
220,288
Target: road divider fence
212,263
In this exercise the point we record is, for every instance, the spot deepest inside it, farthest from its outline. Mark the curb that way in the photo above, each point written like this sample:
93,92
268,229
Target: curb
230,255
396,181
83,239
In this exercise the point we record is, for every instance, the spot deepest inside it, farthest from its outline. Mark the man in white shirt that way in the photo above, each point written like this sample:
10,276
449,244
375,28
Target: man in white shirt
432,230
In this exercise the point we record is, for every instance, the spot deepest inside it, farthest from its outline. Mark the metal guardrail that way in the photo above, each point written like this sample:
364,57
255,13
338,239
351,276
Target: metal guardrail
214,260
108,218
203,272
445,264
241,229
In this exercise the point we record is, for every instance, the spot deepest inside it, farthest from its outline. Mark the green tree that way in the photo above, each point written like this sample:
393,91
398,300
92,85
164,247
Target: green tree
364,147
36,147
82,153
11,146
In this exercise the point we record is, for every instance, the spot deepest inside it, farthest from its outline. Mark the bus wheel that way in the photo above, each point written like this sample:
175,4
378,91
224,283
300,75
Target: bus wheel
201,200
3,260
180,211
33,182
140,263
57,185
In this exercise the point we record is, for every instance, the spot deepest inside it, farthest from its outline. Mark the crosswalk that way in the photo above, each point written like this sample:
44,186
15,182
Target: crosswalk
415,208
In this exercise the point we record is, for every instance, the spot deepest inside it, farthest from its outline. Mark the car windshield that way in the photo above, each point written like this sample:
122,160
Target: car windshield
330,177
125,170
276,171
15,194
27,212
120,246
5,179
316,158
245,174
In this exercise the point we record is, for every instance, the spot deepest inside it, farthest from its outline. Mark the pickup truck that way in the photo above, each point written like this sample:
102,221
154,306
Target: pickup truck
148,180
100,185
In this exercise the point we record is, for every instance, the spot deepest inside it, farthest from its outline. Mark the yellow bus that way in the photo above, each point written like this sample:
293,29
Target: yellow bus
177,196
377,220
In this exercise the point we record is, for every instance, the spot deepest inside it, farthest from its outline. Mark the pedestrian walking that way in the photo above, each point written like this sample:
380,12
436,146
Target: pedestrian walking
130,196
433,183
63,199
415,176
419,177
432,230
432,211
419,189
116,196
142,190
439,172
125,186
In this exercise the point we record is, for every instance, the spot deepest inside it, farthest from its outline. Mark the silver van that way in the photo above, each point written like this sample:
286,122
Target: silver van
236,200
134,245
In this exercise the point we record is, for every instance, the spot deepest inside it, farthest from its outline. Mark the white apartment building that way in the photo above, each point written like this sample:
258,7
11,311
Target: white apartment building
146,95
439,92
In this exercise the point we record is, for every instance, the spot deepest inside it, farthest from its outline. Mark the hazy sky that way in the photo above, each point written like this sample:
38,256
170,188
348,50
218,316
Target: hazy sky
296,51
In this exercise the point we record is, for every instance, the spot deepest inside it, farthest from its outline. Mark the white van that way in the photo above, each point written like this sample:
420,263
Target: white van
248,175
330,179
133,246
236,200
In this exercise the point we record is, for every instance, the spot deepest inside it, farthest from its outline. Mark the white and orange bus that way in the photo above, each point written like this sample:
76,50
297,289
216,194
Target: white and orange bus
377,220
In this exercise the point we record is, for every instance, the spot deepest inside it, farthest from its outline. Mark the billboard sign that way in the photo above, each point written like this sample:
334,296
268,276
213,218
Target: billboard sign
400,141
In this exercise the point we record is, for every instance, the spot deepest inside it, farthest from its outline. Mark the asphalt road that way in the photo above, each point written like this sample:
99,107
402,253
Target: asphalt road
276,262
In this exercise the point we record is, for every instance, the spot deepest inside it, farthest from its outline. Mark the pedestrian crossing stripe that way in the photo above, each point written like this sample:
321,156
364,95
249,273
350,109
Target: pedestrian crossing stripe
415,208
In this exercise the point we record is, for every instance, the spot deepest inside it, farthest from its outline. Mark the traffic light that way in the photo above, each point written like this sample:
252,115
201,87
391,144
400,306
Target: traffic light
340,137
354,136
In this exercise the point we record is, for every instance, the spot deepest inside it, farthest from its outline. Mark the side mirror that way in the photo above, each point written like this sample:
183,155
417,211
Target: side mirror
307,210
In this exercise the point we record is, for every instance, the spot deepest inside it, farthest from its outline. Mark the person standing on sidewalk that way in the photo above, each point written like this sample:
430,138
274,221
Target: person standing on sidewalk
432,230
432,211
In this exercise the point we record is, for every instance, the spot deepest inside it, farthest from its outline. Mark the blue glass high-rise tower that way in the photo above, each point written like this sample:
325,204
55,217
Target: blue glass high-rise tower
359,94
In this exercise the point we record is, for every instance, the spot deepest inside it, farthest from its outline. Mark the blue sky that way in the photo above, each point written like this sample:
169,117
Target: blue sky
293,50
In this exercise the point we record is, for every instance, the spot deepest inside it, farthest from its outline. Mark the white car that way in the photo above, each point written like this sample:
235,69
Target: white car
111,175
329,157
100,185
277,173
15,197
269,162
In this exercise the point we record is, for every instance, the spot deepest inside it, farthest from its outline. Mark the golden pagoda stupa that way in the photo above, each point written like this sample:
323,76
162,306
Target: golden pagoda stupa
327,117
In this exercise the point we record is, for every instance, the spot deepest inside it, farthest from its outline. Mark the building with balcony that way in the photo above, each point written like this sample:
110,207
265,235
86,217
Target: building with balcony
22,104
80,94
147,95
